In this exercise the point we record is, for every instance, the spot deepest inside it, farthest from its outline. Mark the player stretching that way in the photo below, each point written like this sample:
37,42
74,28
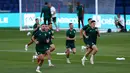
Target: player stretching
36,28
90,38
80,14
42,48
81,32
53,13
70,41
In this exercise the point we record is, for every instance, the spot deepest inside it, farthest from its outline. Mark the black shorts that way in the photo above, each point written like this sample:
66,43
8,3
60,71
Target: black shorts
42,49
89,43
54,19
47,19
50,42
80,18
34,32
70,45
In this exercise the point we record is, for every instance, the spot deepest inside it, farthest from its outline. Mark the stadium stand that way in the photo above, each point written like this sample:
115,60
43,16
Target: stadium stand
13,5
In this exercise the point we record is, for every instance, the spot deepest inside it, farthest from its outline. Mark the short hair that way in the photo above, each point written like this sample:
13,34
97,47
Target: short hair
70,24
49,23
93,21
36,19
43,24
89,19
46,3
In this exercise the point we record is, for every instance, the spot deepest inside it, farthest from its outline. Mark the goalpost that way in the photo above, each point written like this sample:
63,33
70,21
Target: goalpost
30,9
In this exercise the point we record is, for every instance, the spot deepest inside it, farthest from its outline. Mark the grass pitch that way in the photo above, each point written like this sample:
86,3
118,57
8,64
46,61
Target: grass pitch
13,58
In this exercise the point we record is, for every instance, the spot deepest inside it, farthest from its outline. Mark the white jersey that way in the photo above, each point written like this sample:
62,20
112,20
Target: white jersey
120,20
53,11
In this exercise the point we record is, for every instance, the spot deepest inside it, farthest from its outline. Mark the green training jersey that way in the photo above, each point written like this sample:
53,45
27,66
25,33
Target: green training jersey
70,34
41,37
85,28
92,34
80,11
36,26
47,12
51,33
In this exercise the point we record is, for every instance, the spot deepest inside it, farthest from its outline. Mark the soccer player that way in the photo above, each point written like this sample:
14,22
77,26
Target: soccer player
119,22
41,39
90,38
50,32
85,27
47,13
81,33
53,13
51,36
80,14
70,41
36,27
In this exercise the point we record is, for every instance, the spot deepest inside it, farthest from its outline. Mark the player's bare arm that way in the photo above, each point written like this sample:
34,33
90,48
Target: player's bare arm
35,40
85,34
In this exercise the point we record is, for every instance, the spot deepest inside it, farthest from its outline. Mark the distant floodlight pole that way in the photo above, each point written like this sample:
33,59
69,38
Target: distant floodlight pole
96,10
20,14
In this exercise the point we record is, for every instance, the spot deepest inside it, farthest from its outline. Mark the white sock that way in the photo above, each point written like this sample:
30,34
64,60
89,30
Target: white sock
91,56
84,58
49,61
35,56
68,59
85,47
36,53
38,67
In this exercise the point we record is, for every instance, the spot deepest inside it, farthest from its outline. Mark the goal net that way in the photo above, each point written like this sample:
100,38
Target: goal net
66,12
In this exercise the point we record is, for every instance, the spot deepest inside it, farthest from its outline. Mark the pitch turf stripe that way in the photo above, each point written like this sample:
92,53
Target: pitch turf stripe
22,51
79,62
100,62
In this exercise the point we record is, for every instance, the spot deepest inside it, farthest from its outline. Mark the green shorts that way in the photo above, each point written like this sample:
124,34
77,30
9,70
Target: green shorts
89,43
41,49
70,45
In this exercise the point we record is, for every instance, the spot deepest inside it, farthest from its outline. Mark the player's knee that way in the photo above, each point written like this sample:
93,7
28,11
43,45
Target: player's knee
74,50
67,51
48,52
53,46
95,48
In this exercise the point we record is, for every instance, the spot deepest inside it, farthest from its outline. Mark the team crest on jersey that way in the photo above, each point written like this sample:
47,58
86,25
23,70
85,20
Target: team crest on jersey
49,33
74,31
96,29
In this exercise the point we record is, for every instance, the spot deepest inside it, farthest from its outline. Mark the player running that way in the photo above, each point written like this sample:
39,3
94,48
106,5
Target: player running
90,38
42,48
51,36
70,41
80,14
81,32
53,13
36,27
